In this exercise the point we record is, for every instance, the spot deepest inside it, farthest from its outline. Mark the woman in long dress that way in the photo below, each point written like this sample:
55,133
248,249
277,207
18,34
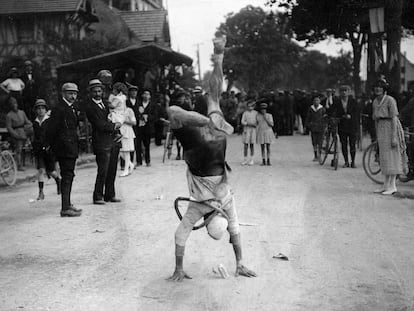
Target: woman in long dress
390,136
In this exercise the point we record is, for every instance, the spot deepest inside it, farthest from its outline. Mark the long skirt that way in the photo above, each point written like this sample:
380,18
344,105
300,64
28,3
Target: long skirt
390,158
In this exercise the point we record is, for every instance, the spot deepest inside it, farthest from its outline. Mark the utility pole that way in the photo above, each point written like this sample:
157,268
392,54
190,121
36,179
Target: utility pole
198,61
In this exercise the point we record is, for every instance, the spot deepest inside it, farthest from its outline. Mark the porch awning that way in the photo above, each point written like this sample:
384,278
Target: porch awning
147,54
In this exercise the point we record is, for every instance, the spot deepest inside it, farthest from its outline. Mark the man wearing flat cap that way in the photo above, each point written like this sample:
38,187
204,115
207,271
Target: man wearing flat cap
104,147
62,137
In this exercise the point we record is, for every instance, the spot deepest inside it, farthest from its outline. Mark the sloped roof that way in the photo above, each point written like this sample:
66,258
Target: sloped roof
147,25
137,54
8,7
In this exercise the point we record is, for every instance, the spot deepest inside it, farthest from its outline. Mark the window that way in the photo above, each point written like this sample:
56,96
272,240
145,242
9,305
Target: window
123,5
25,30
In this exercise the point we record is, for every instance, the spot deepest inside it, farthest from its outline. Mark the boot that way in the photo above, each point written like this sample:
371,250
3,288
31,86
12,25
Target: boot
268,162
263,162
315,156
58,181
41,194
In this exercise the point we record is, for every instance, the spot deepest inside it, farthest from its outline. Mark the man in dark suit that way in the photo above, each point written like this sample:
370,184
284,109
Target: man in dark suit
328,102
62,137
104,147
347,110
31,89
145,115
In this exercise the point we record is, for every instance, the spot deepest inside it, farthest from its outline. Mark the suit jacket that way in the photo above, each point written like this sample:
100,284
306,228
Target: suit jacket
102,128
61,132
350,126
324,103
150,111
31,88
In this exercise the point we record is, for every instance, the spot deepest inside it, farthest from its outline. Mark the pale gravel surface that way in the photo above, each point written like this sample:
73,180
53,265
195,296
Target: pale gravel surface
349,249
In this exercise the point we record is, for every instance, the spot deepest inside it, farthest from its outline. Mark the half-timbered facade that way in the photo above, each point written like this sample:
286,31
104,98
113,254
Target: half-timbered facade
36,29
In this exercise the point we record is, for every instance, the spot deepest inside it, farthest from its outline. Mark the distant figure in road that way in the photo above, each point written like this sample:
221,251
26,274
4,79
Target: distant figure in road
249,138
314,122
62,136
265,133
347,110
45,161
204,142
145,125
390,136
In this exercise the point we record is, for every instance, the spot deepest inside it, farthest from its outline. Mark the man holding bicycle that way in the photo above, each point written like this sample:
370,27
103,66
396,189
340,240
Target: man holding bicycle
346,109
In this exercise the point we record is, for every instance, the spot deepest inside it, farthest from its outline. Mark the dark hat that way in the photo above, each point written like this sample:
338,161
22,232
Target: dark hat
381,83
132,87
263,106
13,70
344,87
40,103
95,83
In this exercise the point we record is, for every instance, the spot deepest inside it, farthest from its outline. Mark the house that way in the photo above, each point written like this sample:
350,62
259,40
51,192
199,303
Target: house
135,5
407,73
148,26
36,29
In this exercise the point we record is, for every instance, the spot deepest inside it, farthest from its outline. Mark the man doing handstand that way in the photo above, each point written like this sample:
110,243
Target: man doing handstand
204,142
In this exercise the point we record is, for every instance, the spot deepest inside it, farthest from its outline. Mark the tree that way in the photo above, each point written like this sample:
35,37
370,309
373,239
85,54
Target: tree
187,79
261,54
315,20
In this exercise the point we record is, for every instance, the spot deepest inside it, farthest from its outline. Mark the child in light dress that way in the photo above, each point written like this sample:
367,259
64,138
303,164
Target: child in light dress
249,123
264,132
117,105
120,113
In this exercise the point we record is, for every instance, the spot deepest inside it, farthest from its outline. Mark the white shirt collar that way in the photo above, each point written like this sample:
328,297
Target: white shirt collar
97,101
68,103
317,108
44,118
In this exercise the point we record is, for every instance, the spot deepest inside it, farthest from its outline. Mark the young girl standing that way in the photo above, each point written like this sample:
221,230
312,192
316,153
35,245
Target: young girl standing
314,122
264,132
249,123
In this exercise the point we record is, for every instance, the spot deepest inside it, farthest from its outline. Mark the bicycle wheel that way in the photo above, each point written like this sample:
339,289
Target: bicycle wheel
325,147
8,169
370,162
335,152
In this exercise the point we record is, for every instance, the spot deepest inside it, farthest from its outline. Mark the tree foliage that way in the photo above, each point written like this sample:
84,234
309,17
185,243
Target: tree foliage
316,20
261,53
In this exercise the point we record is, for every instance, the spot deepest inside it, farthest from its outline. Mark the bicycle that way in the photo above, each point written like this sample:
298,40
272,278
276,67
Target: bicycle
330,142
8,167
371,162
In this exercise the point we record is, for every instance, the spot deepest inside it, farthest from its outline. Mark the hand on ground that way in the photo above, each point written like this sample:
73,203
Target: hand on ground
243,271
178,276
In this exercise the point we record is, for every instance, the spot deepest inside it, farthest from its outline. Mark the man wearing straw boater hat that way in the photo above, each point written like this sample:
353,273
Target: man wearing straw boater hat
104,147
204,142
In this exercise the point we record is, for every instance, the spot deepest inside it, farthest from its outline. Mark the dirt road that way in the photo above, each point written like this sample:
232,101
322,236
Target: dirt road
348,248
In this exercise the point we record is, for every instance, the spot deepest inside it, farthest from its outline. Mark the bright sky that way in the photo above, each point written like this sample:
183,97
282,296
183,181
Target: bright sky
194,22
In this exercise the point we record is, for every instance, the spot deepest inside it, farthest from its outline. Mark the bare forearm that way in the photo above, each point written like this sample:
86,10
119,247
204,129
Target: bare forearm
180,117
